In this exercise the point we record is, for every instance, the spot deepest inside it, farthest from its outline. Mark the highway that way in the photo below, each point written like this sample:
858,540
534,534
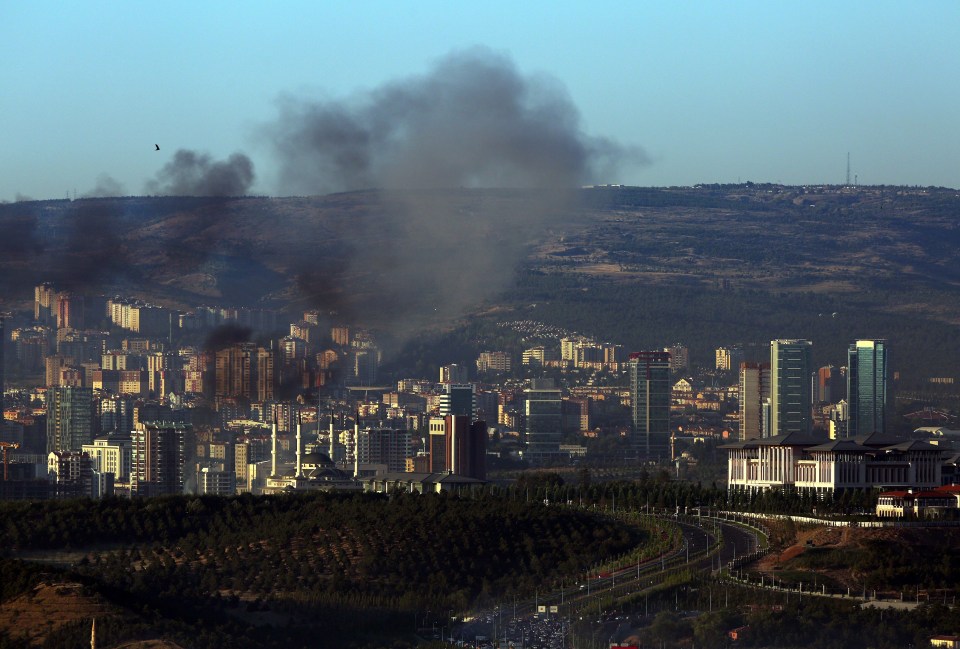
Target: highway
544,622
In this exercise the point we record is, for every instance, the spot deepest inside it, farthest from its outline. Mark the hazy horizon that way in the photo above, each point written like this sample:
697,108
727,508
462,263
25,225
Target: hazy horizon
642,95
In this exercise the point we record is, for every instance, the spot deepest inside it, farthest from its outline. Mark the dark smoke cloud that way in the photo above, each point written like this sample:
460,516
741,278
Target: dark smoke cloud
226,335
195,174
473,121
19,239
106,187
420,254
94,253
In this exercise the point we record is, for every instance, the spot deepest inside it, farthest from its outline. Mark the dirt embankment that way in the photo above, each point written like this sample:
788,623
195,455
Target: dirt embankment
34,615
48,607
832,553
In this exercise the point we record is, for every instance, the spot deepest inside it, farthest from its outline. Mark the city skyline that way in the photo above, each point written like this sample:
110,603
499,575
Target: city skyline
713,94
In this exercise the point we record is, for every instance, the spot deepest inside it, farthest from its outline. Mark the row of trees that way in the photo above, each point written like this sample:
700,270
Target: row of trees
656,491
318,563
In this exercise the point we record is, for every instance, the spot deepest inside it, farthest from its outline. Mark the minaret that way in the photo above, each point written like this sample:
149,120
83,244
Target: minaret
299,473
356,445
273,448
333,458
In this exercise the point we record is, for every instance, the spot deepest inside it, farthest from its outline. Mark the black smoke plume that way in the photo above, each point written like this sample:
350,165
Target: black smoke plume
432,245
196,174
473,121
226,335
94,253
19,239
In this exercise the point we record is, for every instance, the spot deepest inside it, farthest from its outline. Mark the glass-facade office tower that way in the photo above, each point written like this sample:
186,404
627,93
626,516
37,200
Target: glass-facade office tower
650,390
790,386
458,399
69,418
868,387
543,420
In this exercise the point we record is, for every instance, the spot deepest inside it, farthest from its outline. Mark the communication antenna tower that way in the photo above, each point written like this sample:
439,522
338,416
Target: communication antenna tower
848,168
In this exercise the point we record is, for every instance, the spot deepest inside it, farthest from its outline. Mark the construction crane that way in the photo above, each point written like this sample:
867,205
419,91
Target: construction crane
5,446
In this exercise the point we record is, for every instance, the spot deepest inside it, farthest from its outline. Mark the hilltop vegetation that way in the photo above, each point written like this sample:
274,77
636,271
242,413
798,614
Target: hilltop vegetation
311,564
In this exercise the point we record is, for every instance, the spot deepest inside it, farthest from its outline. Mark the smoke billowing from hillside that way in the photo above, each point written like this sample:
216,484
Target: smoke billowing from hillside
94,253
473,121
431,245
196,174
106,187
422,253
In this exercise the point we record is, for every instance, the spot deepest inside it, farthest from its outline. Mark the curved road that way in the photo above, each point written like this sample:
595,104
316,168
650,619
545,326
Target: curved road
699,551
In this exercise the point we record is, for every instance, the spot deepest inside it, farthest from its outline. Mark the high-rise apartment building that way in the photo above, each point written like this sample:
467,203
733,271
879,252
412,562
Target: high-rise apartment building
568,348
70,311
364,365
115,414
650,392
340,336
588,355
265,384
71,473
384,446
679,357
543,420
292,350
868,387
453,374
69,418
112,454
437,444
245,370
32,345
458,445
830,387
247,452
577,413
839,420
216,482
613,354
790,386
728,358
534,357
160,454
494,362
45,304
754,392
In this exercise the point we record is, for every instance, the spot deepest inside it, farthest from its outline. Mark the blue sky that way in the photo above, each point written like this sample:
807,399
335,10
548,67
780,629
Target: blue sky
712,91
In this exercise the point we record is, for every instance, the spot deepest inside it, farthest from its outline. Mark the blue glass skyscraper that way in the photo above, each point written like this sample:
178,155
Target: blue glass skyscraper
790,387
868,387
650,392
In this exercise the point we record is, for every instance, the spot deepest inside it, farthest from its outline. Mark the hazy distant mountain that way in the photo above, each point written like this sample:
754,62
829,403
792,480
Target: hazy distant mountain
408,260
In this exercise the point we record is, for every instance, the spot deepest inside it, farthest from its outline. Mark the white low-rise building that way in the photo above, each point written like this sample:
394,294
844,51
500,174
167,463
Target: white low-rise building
112,454
914,504
804,462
